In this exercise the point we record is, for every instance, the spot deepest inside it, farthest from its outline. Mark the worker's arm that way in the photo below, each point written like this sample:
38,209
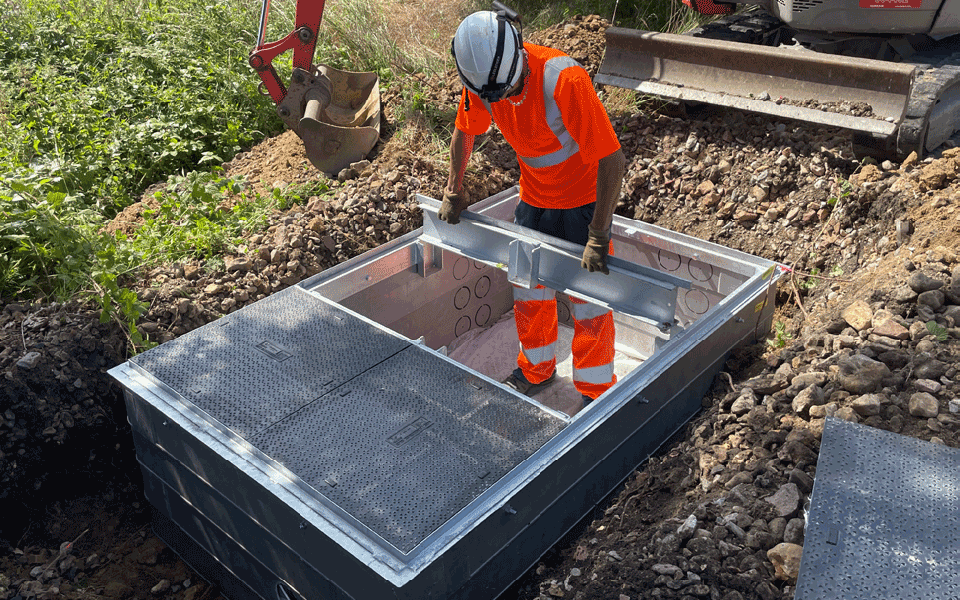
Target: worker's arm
461,147
609,181
454,196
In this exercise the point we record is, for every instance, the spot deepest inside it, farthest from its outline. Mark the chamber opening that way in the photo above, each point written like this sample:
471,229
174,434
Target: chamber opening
463,307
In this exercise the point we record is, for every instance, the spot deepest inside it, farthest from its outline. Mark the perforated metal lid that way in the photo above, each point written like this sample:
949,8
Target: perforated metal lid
407,444
884,519
267,360
397,437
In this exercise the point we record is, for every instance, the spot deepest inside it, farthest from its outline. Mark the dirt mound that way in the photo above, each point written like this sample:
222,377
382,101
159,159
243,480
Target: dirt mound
871,246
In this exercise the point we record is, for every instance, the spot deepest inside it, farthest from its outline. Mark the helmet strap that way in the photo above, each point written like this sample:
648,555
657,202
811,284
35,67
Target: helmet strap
498,55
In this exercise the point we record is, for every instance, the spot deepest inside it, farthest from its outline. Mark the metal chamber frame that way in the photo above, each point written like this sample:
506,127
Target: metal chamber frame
320,444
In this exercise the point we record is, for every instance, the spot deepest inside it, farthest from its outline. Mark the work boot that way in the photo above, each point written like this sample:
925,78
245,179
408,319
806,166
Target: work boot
519,382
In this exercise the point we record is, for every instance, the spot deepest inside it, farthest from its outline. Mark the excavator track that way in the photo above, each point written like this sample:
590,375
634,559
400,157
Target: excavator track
933,111
752,62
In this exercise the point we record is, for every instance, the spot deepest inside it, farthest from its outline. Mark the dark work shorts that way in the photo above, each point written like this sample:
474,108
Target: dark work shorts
571,224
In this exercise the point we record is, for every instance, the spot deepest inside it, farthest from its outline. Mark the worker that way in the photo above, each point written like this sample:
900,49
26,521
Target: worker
571,171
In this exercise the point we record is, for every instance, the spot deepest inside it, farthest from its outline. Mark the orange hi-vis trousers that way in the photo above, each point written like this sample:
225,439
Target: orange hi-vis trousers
593,338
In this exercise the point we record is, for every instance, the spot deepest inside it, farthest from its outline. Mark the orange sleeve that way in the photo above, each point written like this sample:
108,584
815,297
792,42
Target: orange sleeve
584,115
476,120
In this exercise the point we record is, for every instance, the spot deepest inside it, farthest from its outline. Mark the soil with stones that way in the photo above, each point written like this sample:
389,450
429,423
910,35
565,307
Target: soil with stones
866,330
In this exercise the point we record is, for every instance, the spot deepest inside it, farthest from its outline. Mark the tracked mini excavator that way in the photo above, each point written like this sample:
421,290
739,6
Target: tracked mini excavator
886,70
336,113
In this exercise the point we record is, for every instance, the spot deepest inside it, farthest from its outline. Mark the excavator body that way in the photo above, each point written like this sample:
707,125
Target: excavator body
888,71
887,17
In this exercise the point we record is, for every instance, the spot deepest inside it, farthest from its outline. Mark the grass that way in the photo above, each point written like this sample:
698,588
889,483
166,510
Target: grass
99,99
424,125
652,15
358,35
201,215
940,333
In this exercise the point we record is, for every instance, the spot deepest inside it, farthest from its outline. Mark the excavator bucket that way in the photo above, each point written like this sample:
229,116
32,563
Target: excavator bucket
783,82
336,114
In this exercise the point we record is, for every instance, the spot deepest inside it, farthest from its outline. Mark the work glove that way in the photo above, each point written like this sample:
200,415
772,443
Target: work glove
452,206
595,252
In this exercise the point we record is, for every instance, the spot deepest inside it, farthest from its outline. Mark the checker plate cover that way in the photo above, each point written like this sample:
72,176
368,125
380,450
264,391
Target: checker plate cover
251,368
884,519
407,444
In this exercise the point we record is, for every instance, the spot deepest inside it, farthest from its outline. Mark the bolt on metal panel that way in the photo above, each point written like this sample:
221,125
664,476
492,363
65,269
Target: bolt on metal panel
884,519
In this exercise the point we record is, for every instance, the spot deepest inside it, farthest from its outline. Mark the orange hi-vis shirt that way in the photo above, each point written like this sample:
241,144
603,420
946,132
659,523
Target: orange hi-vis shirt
560,131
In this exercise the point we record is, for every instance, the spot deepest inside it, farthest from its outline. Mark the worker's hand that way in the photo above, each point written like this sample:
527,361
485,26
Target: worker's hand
595,252
452,206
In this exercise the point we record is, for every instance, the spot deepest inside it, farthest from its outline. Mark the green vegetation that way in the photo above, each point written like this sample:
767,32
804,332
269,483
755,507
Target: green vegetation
940,333
100,99
654,15
808,283
780,336
845,189
203,215
356,36
424,124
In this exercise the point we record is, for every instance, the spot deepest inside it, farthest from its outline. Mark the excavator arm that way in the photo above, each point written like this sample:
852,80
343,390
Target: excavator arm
303,42
336,113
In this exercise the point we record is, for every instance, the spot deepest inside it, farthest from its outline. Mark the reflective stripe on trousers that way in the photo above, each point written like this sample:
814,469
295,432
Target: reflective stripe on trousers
536,316
593,337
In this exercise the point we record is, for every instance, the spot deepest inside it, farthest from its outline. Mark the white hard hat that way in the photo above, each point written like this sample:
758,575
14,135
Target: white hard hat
488,52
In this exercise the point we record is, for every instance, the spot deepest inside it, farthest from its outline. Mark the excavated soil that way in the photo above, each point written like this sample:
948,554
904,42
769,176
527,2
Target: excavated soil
717,513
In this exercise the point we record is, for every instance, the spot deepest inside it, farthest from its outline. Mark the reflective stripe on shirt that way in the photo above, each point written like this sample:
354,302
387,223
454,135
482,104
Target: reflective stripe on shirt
569,146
